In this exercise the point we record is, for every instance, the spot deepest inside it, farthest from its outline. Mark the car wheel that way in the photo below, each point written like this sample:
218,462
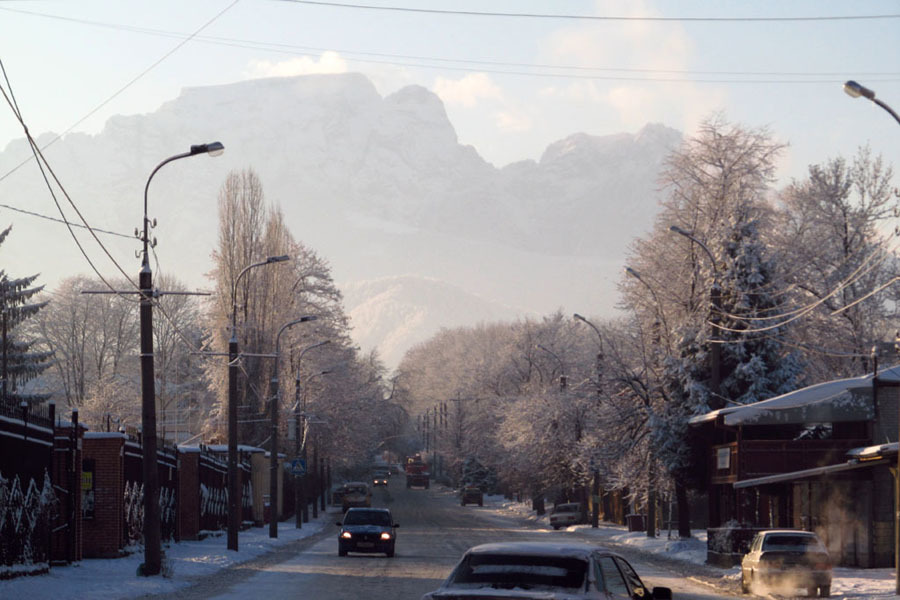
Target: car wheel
390,552
342,551
824,591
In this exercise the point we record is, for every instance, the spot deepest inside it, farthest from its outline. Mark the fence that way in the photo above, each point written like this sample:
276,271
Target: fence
28,502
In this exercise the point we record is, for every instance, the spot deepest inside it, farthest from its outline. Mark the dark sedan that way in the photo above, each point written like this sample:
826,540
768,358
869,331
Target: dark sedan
367,530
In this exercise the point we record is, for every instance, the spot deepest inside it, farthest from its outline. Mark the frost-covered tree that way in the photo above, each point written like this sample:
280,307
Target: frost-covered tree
830,231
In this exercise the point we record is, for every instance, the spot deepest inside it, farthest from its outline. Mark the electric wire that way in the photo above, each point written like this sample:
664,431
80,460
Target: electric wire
63,221
471,13
309,50
131,82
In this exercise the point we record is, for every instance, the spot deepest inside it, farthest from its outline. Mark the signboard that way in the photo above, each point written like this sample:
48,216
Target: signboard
298,467
723,458
87,489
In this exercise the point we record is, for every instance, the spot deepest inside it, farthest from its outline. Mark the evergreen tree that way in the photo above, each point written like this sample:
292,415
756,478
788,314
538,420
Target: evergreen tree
755,365
19,363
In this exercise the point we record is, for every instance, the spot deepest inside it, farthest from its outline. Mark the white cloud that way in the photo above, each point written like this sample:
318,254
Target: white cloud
513,121
328,62
468,91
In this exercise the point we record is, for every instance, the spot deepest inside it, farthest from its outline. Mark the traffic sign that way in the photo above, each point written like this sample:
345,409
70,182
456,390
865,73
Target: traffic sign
298,467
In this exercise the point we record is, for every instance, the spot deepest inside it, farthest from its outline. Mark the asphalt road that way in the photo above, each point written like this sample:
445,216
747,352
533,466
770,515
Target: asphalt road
434,532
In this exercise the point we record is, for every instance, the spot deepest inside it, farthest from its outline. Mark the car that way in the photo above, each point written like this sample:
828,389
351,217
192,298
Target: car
380,477
563,515
356,494
550,571
367,530
471,494
788,558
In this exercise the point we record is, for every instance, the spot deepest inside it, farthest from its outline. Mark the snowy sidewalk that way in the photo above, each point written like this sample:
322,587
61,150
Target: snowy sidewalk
857,584
115,579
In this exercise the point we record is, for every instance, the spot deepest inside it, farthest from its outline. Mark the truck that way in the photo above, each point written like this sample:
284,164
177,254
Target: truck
417,473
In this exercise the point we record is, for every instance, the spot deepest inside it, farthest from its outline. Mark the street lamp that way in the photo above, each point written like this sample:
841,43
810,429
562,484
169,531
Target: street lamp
234,486
651,491
301,507
273,454
152,552
856,90
595,472
715,299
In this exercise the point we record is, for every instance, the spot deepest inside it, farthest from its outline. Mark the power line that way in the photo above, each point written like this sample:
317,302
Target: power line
49,218
470,13
126,86
300,50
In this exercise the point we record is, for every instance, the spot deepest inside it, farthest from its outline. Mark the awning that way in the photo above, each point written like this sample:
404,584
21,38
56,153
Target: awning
827,470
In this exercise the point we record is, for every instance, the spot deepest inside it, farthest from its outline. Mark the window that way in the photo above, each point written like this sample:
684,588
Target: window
612,578
526,572
635,585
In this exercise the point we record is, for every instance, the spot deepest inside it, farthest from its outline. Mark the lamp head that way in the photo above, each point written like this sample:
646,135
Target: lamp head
275,259
632,272
307,318
855,90
212,148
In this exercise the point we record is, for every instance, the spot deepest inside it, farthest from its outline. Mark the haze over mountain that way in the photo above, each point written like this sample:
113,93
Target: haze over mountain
421,232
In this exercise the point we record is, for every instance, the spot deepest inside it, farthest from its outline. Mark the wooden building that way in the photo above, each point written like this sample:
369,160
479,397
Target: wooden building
817,459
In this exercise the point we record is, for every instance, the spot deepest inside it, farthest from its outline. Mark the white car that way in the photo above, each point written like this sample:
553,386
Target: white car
545,571
564,515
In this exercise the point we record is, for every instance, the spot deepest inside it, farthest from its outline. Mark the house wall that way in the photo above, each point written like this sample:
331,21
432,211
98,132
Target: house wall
887,417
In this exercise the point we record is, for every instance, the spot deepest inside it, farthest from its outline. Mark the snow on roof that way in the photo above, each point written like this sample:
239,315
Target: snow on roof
846,395
572,549
241,448
96,435
870,452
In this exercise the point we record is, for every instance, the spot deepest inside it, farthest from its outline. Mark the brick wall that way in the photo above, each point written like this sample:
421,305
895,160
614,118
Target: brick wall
104,535
188,522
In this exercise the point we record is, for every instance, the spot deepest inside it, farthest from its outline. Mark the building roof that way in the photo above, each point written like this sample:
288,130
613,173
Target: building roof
832,401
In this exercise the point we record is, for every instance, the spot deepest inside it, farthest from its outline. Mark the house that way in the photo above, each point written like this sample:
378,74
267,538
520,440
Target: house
817,459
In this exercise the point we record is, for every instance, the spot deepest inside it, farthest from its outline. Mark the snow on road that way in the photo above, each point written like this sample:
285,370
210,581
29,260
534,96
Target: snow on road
188,561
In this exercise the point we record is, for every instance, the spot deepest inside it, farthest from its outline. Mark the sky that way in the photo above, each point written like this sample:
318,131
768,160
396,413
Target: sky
511,84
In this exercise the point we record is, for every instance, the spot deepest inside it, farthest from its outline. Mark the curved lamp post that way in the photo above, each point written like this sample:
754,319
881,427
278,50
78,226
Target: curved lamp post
715,300
595,473
234,485
856,90
152,553
301,506
273,453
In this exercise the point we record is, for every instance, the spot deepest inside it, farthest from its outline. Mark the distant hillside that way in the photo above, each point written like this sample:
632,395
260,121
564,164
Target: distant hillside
380,186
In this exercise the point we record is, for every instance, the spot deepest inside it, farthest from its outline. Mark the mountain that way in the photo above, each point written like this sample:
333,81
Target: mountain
397,313
380,186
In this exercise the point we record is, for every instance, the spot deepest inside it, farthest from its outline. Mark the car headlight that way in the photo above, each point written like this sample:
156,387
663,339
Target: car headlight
385,535
346,535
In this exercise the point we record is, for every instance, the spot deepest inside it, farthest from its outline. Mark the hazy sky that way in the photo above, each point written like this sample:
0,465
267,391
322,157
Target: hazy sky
511,84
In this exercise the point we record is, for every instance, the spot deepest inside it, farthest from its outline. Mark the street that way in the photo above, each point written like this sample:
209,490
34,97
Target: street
434,532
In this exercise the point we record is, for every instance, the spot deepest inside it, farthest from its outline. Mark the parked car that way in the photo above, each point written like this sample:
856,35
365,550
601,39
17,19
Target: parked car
367,530
526,570
563,515
787,557
471,495
356,494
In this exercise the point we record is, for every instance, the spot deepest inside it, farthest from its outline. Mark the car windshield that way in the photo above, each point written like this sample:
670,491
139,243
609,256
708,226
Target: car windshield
356,490
795,543
367,517
503,571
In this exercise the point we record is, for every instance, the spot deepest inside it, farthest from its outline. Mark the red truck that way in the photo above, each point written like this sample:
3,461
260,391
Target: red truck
416,472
